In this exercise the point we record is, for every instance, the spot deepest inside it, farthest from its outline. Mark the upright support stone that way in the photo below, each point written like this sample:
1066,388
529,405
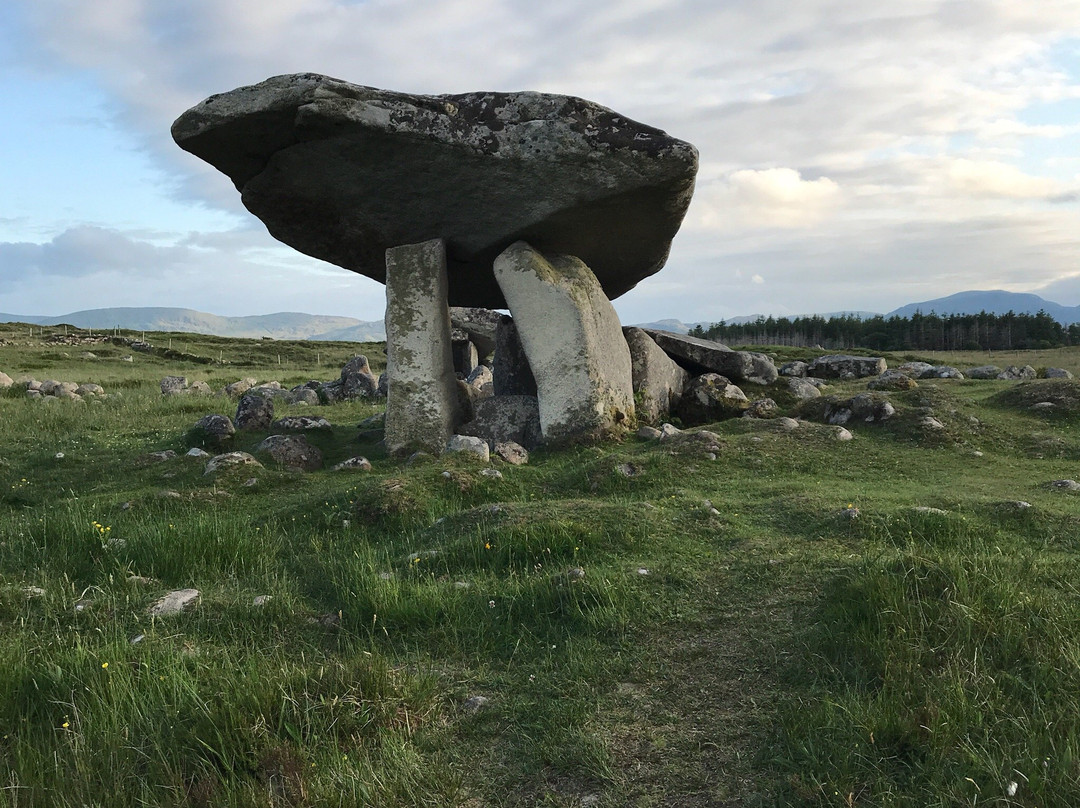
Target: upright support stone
424,403
573,340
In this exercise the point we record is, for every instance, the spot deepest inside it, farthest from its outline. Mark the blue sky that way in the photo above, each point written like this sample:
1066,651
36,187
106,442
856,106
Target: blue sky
854,155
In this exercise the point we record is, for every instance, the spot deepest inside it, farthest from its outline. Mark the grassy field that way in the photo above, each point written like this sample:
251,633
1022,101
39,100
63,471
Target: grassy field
781,625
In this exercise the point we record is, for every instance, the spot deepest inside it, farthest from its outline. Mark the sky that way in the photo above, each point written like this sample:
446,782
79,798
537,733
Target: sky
855,155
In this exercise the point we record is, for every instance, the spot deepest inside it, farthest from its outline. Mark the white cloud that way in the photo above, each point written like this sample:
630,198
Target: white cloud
994,178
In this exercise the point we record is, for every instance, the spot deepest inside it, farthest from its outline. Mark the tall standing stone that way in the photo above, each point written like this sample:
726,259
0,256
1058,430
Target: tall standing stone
424,403
573,340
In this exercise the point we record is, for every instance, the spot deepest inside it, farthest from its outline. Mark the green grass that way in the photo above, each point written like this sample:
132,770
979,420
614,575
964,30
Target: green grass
774,653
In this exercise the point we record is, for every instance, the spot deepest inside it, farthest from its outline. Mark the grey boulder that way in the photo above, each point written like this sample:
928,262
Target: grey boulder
291,451
506,419
842,366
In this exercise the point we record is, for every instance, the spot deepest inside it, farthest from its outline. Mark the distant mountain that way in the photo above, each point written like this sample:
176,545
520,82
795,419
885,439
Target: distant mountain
992,302
674,326
283,325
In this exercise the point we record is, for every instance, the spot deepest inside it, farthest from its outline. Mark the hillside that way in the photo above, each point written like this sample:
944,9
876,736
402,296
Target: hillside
992,302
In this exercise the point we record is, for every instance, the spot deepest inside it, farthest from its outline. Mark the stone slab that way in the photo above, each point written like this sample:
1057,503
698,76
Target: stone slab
344,172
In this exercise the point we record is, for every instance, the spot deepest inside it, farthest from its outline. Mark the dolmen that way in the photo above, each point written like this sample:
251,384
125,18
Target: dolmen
547,205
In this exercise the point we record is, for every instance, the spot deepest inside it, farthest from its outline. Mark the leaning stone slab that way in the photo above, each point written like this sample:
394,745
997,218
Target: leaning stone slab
424,403
705,356
574,342
344,172
658,381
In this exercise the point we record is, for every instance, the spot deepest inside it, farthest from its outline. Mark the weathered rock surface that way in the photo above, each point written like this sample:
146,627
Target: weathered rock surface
984,372
941,372
479,324
344,172
892,380
291,451
658,381
229,460
5,381
300,423
212,430
424,402
469,444
705,356
762,408
174,602
513,453
254,412
802,388
353,464
173,385
712,397
795,368
1058,373
238,388
840,366
502,419
573,340
1014,373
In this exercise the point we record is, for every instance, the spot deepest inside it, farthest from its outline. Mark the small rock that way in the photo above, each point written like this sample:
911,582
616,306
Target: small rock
513,453
1044,406
300,423
353,464
169,494
195,451
261,600
138,638
493,473
642,571
139,580
475,704
842,434
932,423
174,602
669,431
173,385
250,482
976,453
575,574
82,605
649,433
630,469
292,452
212,430
328,620
59,455
1065,485
161,457
468,443
850,513
786,424
230,460
925,509
34,592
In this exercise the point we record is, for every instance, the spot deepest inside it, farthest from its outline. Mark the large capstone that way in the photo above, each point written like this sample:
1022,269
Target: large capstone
573,340
344,172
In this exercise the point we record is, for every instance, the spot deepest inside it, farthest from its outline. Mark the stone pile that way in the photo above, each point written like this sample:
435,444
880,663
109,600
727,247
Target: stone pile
52,390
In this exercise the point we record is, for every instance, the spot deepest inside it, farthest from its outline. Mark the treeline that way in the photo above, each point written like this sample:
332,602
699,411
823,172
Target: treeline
928,332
